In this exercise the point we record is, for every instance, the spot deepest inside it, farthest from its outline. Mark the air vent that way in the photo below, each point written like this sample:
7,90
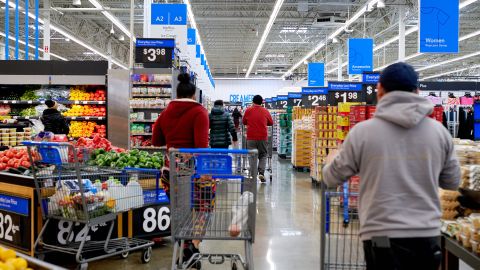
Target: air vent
328,21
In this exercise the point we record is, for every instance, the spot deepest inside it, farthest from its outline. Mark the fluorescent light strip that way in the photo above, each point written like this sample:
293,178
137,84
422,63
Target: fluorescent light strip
449,72
470,55
357,15
271,20
33,47
112,18
73,38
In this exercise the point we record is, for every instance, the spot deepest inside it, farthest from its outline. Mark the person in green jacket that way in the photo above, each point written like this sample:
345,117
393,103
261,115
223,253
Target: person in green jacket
222,129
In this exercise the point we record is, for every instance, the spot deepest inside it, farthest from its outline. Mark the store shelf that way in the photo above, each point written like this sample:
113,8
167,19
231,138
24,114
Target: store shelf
86,118
82,102
143,121
141,134
25,117
460,252
21,102
152,96
147,108
152,84
147,147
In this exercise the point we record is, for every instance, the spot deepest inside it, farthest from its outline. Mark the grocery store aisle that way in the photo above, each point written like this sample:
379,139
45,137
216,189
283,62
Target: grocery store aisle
287,234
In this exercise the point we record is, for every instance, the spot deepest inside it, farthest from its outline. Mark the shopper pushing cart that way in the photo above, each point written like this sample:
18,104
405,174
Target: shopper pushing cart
70,190
212,199
257,119
402,157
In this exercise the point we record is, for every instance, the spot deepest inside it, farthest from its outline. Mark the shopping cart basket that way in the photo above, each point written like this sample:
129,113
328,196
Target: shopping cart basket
70,190
341,247
212,198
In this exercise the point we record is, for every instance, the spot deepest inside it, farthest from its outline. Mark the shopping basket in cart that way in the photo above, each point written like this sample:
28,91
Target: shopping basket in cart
70,190
340,244
212,198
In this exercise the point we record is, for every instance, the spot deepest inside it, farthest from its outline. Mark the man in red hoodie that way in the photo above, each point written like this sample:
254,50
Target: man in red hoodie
257,118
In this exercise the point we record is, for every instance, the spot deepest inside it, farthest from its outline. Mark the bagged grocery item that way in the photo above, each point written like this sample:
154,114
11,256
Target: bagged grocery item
240,213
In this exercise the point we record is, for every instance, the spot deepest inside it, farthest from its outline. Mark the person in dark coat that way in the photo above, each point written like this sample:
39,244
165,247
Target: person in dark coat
221,127
53,120
236,117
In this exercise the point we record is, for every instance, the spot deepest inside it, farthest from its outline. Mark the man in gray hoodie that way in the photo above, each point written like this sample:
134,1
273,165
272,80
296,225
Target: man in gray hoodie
402,157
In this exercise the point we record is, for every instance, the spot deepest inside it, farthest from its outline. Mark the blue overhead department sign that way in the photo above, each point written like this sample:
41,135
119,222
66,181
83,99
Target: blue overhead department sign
344,86
169,14
439,24
316,74
155,43
360,55
197,51
371,78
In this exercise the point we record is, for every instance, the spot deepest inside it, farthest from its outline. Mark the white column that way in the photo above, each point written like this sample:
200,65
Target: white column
46,29
132,10
339,64
401,33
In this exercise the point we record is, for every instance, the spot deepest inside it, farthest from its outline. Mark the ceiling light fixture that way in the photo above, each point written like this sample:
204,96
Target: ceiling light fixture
334,40
450,72
121,38
381,4
339,30
67,40
271,20
32,46
470,55
77,3
112,31
112,18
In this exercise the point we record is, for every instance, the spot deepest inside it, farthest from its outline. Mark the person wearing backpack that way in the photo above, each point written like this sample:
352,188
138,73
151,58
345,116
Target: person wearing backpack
222,129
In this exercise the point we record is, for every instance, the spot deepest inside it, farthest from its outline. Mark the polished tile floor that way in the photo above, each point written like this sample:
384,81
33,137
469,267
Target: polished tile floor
287,233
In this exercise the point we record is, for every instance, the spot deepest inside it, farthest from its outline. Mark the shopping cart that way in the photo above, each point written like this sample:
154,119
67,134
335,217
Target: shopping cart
70,190
270,152
212,199
244,136
340,244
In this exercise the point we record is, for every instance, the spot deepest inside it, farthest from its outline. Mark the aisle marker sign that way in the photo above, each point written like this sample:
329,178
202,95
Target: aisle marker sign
316,74
294,99
360,55
371,78
439,26
191,36
198,51
282,102
169,14
344,92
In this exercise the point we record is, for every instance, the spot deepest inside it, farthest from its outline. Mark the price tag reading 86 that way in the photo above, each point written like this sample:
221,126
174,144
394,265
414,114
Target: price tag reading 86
151,221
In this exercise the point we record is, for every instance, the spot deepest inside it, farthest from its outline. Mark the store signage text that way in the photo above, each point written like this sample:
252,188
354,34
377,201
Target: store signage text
316,74
241,98
345,86
360,55
439,26
169,14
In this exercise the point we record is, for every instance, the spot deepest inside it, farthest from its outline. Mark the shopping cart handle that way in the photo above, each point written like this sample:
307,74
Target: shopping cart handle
213,151
33,143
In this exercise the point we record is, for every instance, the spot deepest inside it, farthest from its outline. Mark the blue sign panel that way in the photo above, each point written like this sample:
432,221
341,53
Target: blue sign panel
344,86
154,196
268,100
155,43
360,55
282,98
316,74
14,204
439,26
202,59
315,90
371,78
197,51
169,14
274,99
295,95
191,36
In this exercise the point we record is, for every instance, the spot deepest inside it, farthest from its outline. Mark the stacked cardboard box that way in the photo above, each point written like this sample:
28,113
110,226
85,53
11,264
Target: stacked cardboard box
324,138
302,146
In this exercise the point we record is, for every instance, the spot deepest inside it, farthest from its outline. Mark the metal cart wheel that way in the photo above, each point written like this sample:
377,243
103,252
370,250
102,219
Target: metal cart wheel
124,255
83,266
146,255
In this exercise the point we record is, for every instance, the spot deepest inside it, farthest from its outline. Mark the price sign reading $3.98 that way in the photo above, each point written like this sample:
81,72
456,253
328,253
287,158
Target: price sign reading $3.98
151,54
